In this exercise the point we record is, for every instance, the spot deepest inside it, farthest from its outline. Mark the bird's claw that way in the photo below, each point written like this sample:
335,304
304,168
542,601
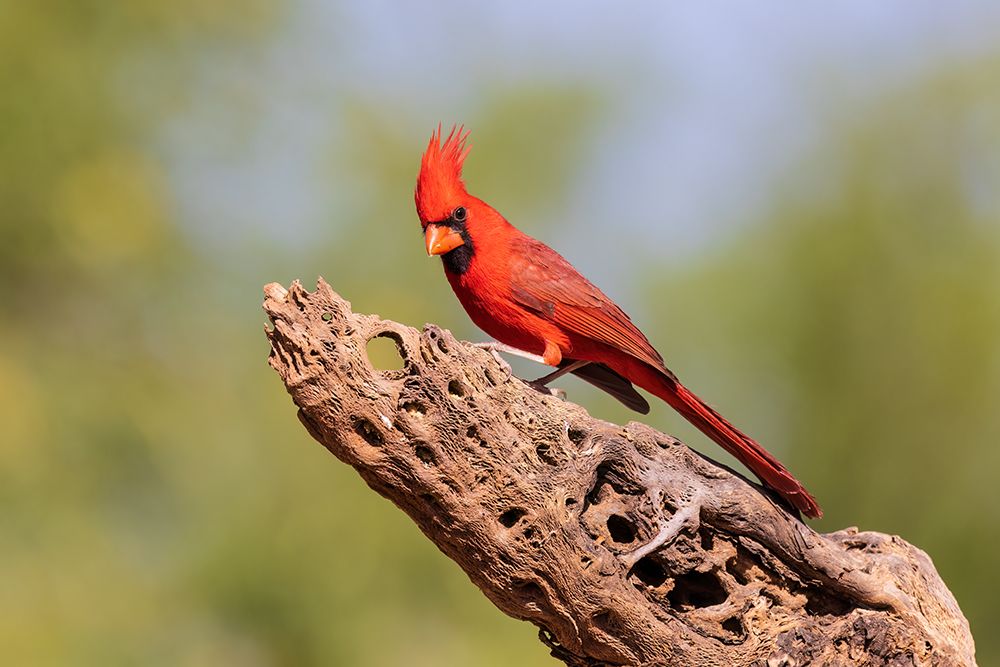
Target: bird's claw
545,389
500,347
495,349
540,385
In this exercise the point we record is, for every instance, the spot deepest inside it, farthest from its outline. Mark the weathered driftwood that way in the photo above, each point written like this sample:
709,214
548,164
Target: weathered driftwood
622,545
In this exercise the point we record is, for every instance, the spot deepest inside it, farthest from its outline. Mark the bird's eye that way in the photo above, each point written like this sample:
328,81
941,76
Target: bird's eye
459,214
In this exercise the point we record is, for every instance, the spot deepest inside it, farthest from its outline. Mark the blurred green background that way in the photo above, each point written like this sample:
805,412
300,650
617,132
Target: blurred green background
801,207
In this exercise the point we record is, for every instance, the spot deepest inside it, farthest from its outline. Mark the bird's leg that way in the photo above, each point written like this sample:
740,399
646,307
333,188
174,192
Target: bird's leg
669,530
559,372
495,348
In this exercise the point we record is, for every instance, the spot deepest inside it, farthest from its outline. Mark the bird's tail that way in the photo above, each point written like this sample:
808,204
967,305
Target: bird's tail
743,447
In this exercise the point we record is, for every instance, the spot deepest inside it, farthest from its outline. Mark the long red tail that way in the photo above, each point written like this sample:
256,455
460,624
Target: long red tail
740,445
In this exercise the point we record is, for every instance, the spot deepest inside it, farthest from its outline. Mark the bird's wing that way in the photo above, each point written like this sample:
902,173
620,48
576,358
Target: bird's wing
545,283
607,380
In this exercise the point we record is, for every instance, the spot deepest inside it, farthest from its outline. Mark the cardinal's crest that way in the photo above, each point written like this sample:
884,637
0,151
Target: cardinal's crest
439,184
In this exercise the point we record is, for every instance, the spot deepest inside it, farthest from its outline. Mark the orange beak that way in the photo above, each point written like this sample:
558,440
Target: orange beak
442,239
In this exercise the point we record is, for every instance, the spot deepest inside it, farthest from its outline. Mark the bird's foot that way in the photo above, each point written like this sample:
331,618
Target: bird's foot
545,389
495,348
566,367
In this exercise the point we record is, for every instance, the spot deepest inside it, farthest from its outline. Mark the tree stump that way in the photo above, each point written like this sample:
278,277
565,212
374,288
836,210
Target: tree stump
621,544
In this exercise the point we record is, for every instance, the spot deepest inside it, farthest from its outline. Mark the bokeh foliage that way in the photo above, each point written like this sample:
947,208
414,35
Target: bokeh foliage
855,326
160,503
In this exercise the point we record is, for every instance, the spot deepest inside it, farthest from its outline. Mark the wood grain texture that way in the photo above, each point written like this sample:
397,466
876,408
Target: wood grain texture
621,544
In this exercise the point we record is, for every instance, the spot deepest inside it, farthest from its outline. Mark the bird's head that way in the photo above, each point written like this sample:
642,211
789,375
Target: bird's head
442,202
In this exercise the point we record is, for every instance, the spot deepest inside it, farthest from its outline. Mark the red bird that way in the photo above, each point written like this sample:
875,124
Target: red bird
526,296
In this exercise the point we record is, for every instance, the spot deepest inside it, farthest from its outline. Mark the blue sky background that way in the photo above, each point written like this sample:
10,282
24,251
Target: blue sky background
708,103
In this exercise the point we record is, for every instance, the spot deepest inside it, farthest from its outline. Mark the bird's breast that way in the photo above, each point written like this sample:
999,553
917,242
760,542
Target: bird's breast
487,300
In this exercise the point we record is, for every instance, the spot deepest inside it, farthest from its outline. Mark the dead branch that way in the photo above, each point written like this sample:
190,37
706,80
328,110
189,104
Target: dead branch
622,545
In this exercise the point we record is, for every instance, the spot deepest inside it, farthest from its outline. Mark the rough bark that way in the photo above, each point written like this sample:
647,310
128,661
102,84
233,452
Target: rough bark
621,544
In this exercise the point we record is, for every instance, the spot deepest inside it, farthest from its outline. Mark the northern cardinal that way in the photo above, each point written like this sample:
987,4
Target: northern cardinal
526,296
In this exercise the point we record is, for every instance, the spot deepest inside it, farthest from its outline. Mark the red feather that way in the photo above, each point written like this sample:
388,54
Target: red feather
526,295
544,282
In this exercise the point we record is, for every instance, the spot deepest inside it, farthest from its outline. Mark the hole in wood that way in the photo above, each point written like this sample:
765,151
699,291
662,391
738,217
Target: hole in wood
733,626
544,452
608,481
706,539
745,567
437,339
548,638
367,430
425,454
650,572
533,537
437,510
531,593
697,590
607,621
456,389
576,435
512,516
821,604
620,529
414,408
385,353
